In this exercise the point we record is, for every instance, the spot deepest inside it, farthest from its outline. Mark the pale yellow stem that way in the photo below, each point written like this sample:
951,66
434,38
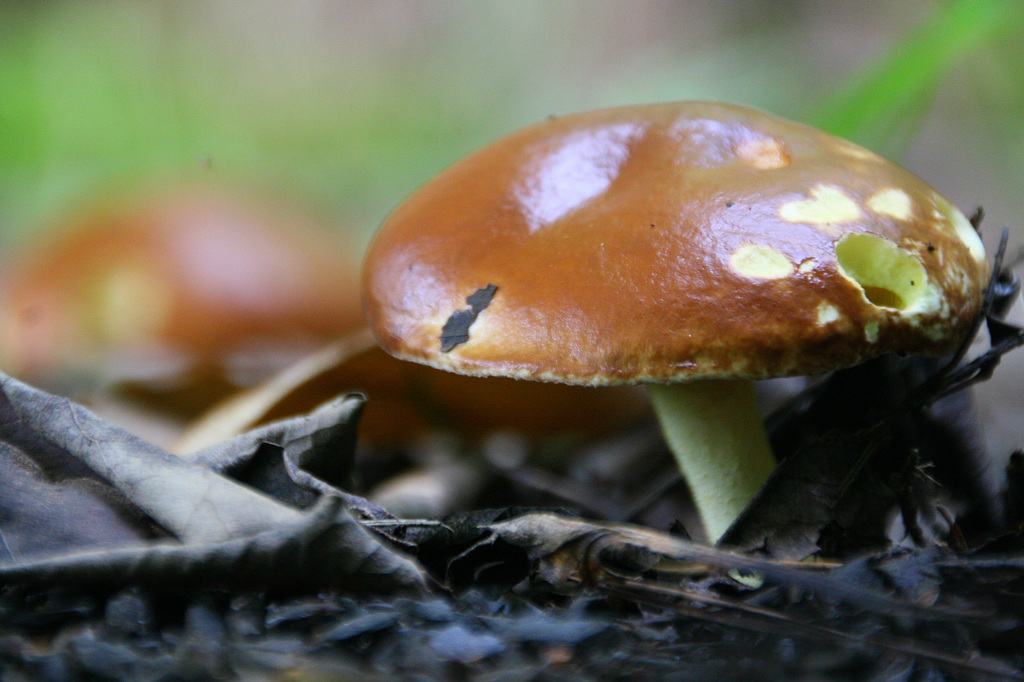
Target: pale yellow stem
715,431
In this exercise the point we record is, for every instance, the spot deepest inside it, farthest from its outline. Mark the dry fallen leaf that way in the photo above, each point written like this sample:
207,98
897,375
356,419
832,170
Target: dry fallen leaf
215,529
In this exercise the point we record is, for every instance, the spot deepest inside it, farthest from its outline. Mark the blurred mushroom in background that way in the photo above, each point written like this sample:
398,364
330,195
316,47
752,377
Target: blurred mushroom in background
407,401
175,299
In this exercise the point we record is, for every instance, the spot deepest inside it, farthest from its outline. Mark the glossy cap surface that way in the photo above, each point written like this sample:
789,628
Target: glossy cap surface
668,242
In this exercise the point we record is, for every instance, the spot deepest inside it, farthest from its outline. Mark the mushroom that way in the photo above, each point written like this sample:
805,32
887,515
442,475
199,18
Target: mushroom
177,291
692,246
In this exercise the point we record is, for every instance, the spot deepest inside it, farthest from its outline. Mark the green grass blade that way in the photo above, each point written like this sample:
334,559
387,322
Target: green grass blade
873,106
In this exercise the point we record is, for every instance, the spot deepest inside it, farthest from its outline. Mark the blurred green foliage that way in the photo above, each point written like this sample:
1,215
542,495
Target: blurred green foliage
99,96
351,105
895,91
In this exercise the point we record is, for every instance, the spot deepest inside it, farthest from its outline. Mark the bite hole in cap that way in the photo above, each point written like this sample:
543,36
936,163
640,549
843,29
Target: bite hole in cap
889,276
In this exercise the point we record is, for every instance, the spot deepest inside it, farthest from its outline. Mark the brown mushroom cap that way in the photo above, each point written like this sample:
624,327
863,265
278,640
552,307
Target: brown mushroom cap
671,242
195,273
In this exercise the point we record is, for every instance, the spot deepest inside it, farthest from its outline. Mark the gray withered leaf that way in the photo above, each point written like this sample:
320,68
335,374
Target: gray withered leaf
43,514
852,458
323,548
193,503
297,459
220,523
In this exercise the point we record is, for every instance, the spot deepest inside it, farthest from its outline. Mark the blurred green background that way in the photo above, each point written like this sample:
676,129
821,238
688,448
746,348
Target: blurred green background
350,105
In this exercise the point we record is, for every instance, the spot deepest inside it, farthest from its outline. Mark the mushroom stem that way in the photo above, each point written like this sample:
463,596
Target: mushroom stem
714,430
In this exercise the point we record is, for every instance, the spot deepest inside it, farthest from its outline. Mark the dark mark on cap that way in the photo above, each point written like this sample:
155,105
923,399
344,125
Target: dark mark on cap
456,329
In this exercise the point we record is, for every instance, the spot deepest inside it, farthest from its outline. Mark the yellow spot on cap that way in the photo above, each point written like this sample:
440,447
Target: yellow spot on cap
855,151
760,261
828,205
961,226
128,304
827,313
871,332
808,265
892,202
765,153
